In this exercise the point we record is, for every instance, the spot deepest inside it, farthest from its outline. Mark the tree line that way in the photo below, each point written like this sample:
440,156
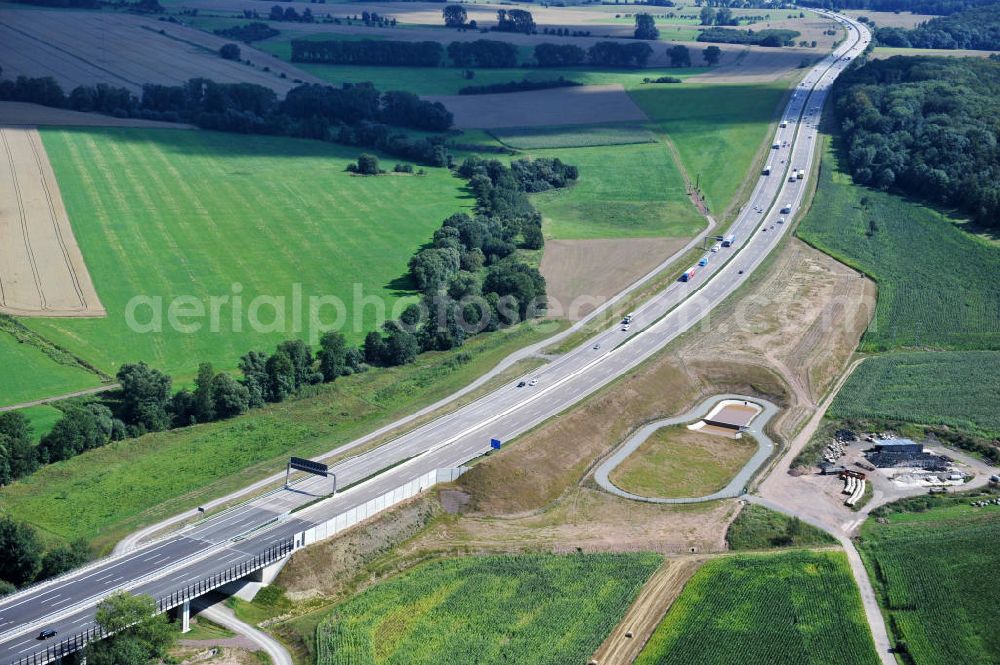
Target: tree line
250,32
927,127
368,52
517,86
354,114
937,7
976,28
769,37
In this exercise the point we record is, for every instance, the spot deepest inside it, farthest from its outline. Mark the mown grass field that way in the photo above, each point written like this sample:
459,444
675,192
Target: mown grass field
105,493
958,389
41,418
29,374
163,214
676,462
794,607
626,191
718,129
936,282
487,610
932,572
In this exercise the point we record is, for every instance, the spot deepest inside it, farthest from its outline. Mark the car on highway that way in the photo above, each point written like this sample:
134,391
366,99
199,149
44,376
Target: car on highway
46,634
521,384
533,382
781,220
597,346
626,326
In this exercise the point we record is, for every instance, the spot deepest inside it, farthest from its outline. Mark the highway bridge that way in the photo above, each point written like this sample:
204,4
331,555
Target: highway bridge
250,537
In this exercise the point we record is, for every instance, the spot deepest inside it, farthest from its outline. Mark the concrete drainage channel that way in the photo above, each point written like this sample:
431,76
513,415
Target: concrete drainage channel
735,488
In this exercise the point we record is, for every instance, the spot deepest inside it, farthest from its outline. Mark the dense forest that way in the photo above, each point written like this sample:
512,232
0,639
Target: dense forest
977,28
936,7
927,127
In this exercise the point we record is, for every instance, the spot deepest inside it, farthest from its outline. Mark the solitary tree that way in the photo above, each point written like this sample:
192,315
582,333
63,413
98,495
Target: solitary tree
680,56
711,55
367,164
724,16
707,15
645,27
230,52
454,16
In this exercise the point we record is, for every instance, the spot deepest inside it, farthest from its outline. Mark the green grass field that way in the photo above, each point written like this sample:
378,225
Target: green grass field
487,610
958,389
718,129
794,607
628,191
105,493
676,462
573,136
932,572
936,283
41,418
760,528
29,374
168,214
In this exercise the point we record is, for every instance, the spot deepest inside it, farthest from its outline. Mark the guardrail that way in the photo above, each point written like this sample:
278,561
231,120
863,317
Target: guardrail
174,599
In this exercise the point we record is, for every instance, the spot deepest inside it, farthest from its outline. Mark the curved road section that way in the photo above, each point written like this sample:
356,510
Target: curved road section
235,536
736,486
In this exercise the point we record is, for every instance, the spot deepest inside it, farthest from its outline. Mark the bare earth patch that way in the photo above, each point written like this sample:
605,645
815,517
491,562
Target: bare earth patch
891,19
580,105
42,272
86,48
582,274
16,114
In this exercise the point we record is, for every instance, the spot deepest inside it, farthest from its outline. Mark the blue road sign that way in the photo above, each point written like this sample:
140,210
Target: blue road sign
495,444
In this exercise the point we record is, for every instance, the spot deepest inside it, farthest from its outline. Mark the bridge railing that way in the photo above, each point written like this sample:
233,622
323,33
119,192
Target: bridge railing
237,571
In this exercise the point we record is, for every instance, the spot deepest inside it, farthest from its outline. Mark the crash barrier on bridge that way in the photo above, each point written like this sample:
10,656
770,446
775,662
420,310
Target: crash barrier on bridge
372,507
174,599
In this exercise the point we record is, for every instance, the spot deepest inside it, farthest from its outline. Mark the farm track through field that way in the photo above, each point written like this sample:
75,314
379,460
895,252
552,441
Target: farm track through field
631,634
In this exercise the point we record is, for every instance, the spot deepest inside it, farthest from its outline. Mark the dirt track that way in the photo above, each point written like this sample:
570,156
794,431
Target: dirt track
85,48
42,272
631,634
580,105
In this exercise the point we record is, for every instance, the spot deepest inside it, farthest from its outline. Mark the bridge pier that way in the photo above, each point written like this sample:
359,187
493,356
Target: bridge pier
185,616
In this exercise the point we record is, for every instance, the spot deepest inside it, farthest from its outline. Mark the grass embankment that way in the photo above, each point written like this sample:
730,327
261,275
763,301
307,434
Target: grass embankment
626,191
496,609
572,136
936,282
956,389
719,130
760,528
104,493
677,462
164,214
931,570
29,373
770,609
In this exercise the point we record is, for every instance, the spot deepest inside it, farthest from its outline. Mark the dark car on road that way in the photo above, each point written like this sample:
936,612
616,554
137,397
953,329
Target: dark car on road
46,634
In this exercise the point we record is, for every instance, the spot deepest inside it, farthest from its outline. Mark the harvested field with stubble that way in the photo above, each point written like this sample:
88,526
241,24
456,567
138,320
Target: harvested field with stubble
579,105
42,272
122,50
581,274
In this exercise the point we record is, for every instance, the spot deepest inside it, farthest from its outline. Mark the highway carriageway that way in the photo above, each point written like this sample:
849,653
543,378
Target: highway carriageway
67,604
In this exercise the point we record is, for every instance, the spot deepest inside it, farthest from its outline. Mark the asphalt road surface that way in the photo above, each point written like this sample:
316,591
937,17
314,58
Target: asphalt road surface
67,603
